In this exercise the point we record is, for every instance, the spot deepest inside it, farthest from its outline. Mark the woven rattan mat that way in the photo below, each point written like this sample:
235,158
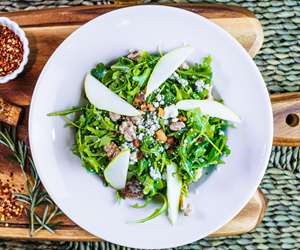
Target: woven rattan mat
279,62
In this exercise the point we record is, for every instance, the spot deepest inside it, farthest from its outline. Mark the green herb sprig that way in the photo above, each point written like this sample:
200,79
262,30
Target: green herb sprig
35,196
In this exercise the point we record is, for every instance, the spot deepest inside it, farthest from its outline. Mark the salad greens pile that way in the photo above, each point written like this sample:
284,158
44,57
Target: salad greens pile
199,144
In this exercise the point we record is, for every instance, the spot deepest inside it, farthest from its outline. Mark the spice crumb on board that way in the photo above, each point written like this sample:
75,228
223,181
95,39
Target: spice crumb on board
9,207
11,51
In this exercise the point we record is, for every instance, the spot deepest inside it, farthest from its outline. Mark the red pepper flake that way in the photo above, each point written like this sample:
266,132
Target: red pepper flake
11,51
9,206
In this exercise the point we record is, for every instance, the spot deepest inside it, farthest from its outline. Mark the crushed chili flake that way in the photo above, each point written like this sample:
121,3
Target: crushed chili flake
11,51
9,206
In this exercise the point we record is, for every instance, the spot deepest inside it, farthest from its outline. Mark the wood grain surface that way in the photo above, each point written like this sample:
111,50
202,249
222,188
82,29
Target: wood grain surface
46,29
286,115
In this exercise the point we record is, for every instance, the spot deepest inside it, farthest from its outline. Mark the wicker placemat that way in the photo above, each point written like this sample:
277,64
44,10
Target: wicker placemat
279,62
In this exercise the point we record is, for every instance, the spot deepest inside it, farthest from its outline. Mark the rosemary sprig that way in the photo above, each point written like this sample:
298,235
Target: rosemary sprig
35,195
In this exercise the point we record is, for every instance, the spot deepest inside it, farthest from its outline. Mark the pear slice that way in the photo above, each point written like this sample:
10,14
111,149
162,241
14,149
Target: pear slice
209,107
174,185
166,66
105,99
116,171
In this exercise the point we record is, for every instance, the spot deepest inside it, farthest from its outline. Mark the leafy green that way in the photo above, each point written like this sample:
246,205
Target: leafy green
156,212
200,144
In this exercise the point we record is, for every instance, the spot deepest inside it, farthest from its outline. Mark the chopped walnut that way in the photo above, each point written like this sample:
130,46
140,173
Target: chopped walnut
134,55
171,141
135,119
139,99
136,143
140,155
111,150
143,107
133,189
201,139
161,136
176,126
115,117
161,112
150,107
182,118
127,128
170,150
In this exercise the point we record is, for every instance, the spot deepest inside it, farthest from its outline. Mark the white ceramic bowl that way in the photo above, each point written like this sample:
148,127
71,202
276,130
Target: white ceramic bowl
17,30
81,195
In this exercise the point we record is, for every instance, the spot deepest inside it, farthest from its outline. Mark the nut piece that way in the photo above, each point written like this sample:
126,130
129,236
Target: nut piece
143,107
135,119
133,189
111,150
139,99
140,155
127,128
114,117
150,107
176,126
201,139
171,141
136,143
134,55
161,136
182,118
161,112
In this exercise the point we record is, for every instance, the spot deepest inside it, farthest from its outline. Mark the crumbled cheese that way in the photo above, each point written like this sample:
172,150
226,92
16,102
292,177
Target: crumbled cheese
127,145
155,174
159,97
133,157
170,112
141,136
148,125
156,104
200,85
161,149
180,80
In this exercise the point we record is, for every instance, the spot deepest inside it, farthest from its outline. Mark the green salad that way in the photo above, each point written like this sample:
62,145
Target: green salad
151,127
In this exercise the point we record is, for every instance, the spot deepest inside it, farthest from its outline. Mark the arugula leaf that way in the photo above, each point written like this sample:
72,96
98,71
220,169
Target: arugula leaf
200,144
157,211
99,71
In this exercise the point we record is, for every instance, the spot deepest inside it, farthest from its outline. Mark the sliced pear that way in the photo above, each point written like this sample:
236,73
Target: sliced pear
116,171
166,66
174,185
209,107
105,99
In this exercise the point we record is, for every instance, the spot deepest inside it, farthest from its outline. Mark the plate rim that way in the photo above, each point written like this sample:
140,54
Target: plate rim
219,30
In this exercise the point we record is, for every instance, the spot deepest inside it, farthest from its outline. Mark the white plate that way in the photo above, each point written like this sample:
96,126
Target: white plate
81,195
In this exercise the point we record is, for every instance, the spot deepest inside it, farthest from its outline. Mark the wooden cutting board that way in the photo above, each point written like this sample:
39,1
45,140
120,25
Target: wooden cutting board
46,29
